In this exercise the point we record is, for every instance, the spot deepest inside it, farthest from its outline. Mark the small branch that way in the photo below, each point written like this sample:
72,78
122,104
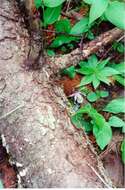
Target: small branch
12,111
98,175
92,47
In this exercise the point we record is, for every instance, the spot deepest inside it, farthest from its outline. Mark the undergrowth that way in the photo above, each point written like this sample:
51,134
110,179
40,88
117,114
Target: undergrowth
70,24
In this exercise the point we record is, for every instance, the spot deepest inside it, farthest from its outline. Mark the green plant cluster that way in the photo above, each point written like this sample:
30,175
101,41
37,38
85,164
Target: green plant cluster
66,34
102,129
96,72
93,71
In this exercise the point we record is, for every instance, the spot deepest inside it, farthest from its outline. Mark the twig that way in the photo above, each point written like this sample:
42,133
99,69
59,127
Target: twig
12,111
68,5
99,162
106,180
98,175
121,38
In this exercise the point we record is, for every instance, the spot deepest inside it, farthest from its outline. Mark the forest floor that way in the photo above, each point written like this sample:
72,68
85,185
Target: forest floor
43,151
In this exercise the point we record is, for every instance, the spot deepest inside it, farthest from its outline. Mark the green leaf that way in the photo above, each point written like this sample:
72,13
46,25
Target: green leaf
102,64
103,93
86,80
63,26
120,79
95,82
116,122
86,109
85,70
51,15
52,3
90,35
115,13
92,61
60,40
123,151
50,52
80,27
119,67
80,123
103,78
97,9
38,3
92,97
103,134
116,106
70,72
108,71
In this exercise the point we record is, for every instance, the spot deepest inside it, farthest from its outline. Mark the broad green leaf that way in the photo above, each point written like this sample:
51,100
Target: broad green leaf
103,93
86,80
108,71
115,121
116,106
92,97
92,61
123,151
97,9
80,123
52,3
120,79
38,3
63,26
115,13
60,40
86,109
95,82
119,67
103,134
102,64
70,72
85,70
102,78
82,63
80,27
51,15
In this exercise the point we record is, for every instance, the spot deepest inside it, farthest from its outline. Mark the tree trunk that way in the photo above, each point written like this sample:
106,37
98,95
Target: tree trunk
46,148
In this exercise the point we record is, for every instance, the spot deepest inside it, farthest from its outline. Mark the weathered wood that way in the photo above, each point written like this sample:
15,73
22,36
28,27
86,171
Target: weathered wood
92,47
35,57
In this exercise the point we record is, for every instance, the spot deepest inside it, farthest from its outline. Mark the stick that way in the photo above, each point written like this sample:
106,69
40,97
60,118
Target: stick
92,47
98,175
9,113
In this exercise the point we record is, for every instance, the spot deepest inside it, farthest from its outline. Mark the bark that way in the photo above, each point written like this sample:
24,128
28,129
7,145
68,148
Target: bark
36,129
